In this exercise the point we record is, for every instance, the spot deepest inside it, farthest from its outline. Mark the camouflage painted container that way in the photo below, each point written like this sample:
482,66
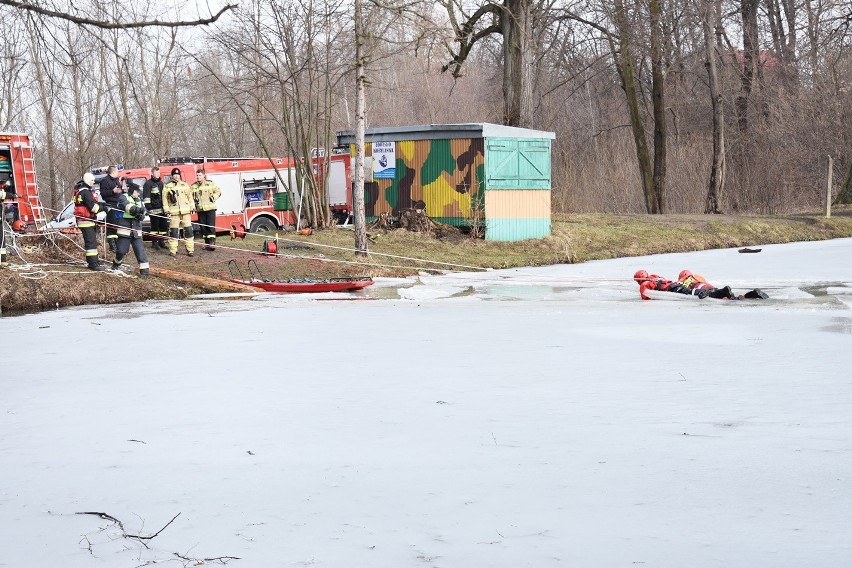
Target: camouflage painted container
468,175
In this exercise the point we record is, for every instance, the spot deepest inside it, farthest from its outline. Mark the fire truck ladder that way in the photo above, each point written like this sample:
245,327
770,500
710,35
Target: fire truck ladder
30,192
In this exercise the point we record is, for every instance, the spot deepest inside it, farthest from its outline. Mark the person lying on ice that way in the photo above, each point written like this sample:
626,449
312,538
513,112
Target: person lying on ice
689,284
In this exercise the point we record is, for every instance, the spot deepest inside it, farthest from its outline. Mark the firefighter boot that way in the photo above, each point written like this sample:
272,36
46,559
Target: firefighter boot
143,272
756,294
93,264
116,264
210,243
189,242
174,234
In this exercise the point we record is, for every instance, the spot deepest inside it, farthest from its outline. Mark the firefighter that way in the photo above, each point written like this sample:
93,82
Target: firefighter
654,282
87,209
701,288
111,189
152,197
130,229
206,193
179,204
7,191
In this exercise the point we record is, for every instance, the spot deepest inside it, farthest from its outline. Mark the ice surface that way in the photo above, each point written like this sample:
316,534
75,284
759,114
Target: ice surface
544,417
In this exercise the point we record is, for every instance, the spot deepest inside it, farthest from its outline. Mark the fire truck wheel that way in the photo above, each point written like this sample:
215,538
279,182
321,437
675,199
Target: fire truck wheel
262,225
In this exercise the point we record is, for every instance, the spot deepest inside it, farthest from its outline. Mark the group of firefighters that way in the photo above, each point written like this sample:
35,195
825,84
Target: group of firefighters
121,205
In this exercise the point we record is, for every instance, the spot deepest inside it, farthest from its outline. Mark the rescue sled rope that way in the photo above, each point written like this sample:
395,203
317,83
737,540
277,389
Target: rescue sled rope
42,274
50,236
347,249
35,270
278,255
322,259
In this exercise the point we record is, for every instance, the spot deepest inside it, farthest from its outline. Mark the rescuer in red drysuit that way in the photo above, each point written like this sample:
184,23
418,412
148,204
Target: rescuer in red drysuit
654,282
690,284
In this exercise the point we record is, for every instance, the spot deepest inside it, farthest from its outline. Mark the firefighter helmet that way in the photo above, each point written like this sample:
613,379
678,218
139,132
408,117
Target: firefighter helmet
684,274
175,172
89,179
19,226
640,276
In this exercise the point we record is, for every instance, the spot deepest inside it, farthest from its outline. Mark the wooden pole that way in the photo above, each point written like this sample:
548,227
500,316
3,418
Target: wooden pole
210,284
828,186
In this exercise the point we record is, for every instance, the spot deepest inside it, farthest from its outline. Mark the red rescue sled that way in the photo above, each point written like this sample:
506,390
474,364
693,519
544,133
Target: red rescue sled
296,285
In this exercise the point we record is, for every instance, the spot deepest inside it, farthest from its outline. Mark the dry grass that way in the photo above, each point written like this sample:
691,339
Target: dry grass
55,275
50,273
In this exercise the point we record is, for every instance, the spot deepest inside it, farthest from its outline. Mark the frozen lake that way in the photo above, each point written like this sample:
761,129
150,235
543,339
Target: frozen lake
529,417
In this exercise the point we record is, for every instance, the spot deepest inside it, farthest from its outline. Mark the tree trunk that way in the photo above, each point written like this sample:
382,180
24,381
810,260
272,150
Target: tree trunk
748,66
46,100
516,25
624,64
658,98
57,199
716,183
360,133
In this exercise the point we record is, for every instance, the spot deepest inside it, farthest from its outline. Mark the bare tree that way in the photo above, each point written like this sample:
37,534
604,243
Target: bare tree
47,84
289,69
750,61
514,21
153,81
12,65
709,14
360,132
75,17
658,105
84,112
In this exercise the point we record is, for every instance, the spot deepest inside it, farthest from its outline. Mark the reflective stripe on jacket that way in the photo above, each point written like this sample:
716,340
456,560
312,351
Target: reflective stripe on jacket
152,195
86,206
206,195
129,221
177,198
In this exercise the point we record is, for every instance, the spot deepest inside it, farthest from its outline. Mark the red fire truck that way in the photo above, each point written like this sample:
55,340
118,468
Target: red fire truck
254,190
17,172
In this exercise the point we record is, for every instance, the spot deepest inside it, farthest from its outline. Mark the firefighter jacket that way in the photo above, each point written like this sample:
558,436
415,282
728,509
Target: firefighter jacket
133,212
177,198
86,206
152,196
206,194
108,194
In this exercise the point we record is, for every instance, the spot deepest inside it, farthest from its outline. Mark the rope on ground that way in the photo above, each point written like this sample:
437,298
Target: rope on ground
35,271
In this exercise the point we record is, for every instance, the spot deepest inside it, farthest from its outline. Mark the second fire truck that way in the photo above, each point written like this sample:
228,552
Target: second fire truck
255,196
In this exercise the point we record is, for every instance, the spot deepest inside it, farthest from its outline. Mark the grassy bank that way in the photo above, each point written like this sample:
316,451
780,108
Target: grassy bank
47,273
580,238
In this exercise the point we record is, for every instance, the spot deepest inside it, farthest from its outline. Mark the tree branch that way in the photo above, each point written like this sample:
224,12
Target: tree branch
124,533
466,38
113,25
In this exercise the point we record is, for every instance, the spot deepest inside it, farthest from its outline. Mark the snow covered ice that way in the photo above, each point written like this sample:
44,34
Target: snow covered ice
526,417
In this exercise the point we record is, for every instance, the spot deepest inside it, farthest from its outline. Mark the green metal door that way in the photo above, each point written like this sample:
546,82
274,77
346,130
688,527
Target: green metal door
517,163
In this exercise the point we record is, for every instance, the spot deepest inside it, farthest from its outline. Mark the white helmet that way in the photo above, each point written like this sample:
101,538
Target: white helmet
89,179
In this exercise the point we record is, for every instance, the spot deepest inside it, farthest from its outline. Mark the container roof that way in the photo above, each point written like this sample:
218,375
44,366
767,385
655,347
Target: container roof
442,132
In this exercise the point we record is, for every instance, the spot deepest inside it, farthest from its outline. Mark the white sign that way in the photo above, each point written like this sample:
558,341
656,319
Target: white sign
384,160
